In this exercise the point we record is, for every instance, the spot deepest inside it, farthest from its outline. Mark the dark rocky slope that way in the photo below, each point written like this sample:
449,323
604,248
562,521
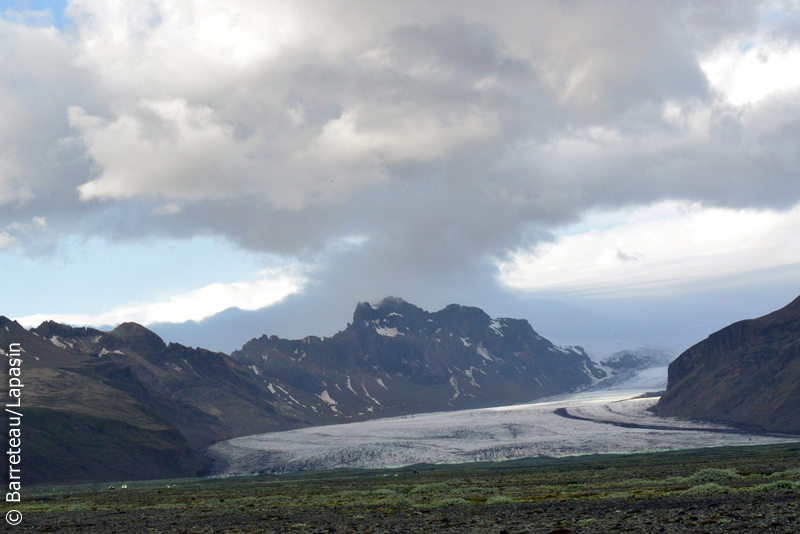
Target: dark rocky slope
747,373
77,428
124,405
396,359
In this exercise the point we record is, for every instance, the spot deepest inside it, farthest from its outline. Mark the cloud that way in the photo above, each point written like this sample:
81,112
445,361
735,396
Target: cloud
168,150
675,247
273,286
14,232
446,134
35,60
748,76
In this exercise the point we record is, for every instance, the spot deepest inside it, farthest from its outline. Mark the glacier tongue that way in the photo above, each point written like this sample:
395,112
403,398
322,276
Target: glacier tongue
504,433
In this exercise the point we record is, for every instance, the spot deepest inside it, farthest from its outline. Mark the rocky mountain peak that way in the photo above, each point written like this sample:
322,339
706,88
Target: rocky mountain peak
137,338
392,302
396,358
463,318
5,321
48,329
385,309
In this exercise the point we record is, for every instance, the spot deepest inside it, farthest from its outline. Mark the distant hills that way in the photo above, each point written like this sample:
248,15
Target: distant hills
125,405
747,373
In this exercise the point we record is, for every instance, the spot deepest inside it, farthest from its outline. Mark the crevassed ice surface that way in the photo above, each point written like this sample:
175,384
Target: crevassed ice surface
503,433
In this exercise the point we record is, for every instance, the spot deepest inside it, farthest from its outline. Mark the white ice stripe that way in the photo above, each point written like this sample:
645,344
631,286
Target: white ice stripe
327,398
454,383
350,386
368,395
192,368
483,352
468,372
59,343
495,325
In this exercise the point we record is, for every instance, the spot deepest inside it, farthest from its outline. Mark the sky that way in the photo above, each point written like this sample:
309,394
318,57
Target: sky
619,173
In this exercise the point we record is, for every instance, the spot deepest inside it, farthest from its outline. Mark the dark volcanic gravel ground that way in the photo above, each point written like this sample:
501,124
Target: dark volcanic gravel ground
731,489
711,514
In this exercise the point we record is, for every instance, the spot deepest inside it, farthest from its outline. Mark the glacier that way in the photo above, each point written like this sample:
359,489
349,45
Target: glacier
613,420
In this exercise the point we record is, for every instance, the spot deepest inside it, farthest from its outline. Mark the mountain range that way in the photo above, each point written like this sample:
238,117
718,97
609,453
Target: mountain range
126,405
747,374
396,359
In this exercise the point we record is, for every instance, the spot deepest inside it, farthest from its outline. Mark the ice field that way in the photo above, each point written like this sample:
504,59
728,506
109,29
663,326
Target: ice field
582,423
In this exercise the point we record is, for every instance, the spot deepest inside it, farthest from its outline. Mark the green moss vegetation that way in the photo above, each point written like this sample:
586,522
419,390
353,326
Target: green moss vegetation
747,487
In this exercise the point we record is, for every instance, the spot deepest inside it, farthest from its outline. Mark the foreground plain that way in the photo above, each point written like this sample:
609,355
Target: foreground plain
725,489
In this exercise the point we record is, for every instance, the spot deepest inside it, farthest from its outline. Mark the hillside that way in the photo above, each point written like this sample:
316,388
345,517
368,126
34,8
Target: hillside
76,427
125,405
747,373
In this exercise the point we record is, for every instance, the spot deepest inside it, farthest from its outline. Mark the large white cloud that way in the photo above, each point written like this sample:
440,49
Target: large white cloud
666,248
446,132
35,78
273,286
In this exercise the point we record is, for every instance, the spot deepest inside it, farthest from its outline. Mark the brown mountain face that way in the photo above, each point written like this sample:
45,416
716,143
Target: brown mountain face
78,428
124,405
747,373
397,359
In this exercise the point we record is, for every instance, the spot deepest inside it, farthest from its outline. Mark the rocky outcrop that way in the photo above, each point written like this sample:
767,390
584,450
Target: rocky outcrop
747,373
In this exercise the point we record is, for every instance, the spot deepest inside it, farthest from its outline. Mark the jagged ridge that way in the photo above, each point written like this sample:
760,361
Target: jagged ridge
395,358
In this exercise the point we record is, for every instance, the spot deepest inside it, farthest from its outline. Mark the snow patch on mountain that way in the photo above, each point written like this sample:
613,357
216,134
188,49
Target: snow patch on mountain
388,332
370,397
495,325
454,383
350,387
326,398
58,343
484,353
